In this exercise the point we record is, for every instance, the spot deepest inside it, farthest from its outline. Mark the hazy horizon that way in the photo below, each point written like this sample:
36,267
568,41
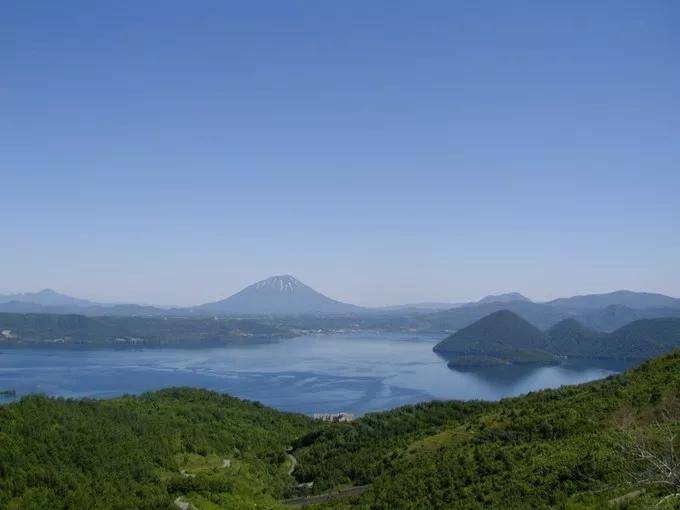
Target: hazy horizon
105,300
383,153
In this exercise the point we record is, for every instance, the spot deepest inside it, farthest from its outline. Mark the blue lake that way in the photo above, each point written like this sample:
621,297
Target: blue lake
357,372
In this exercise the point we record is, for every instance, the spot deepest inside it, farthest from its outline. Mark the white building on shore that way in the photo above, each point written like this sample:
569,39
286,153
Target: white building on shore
335,417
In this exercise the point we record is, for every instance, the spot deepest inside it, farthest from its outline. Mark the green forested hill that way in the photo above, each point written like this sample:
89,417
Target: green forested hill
504,337
577,447
144,452
498,331
499,338
570,338
645,338
573,448
640,339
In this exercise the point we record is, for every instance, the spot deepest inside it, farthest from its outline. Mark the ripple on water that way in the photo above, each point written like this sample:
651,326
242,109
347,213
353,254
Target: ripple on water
351,372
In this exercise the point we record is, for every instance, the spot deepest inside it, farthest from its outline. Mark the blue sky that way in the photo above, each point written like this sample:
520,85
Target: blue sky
382,152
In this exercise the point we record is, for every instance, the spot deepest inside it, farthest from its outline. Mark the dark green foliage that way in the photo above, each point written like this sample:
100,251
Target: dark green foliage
500,337
504,337
570,338
641,339
503,331
645,338
358,451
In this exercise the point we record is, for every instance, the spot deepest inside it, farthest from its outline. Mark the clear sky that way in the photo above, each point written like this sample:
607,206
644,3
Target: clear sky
172,152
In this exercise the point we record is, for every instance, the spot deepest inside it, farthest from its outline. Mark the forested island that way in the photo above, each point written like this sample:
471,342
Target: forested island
503,338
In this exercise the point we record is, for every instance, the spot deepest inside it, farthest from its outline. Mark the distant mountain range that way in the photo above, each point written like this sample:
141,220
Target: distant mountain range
540,315
46,297
278,295
508,297
286,295
427,306
621,297
48,301
504,337
431,306
497,329
546,315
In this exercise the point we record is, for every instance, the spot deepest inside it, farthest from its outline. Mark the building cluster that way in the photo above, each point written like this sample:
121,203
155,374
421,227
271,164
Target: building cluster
129,340
335,417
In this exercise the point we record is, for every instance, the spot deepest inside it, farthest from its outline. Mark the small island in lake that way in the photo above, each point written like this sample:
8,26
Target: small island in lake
504,338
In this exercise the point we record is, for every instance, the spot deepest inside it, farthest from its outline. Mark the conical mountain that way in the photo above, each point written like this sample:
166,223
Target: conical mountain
498,332
278,295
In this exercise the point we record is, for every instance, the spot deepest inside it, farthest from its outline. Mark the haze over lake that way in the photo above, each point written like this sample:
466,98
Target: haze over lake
355,372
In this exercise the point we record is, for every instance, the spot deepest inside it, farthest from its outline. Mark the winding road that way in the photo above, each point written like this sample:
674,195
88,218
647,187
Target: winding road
293,463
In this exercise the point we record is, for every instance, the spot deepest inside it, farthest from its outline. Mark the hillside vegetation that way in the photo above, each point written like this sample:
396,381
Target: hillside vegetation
144,452
577,447
588,446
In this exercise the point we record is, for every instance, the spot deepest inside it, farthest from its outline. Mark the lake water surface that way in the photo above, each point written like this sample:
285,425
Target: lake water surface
357,372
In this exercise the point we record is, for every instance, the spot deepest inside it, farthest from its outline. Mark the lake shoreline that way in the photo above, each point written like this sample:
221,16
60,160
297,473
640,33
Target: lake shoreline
354,372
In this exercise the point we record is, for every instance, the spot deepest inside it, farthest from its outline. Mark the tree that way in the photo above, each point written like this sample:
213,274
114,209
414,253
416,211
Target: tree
653,451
